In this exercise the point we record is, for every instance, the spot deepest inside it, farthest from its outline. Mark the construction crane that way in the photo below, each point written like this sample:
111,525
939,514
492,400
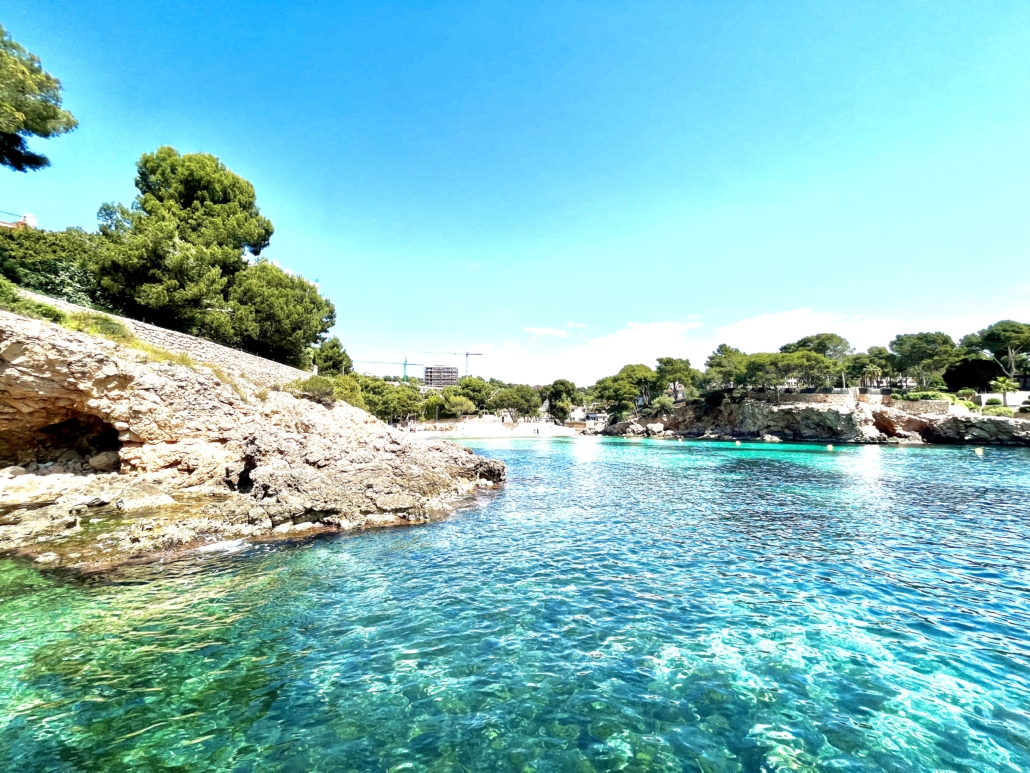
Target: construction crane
381,362
466,354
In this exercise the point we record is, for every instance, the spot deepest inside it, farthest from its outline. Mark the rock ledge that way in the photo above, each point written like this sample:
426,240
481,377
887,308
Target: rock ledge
107,456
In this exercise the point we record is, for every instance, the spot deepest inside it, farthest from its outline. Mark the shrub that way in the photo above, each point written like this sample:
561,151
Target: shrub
994,401
318,389
348,389
157,354
997,410
927,396
966,393
10,300
53,263
1024,409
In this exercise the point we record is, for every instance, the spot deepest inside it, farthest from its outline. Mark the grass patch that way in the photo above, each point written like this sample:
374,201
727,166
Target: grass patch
318,389
157,354
225,378
11,301
94,323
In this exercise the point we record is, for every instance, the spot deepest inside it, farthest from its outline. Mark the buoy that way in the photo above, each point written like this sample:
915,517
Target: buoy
829,447
978,451
737,442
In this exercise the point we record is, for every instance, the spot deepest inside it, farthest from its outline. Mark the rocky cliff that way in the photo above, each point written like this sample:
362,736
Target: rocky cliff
853,423
107,455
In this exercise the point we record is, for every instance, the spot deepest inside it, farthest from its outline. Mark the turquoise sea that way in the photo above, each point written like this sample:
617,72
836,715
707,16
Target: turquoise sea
620,605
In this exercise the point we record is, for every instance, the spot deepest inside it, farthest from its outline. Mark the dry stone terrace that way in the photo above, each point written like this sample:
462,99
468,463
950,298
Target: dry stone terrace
257,370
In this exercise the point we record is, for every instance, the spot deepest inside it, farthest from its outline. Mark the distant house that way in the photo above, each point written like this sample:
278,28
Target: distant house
578,413
441,376
26,221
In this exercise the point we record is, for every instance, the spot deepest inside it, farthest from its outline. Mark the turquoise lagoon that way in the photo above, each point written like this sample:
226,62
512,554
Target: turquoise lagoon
620,605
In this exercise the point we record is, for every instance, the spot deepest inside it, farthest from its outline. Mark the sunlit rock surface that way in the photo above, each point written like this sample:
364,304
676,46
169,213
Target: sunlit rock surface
154,456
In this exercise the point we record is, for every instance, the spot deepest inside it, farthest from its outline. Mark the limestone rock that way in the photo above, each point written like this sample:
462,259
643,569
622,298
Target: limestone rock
106,461
204,462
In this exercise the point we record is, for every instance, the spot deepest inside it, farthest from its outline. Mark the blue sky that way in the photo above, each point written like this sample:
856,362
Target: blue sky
663,176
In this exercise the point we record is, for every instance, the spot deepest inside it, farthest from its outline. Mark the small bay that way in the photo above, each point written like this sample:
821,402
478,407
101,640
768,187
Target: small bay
619,605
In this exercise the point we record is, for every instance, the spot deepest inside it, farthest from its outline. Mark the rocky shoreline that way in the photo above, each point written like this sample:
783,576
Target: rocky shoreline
854,423
108,456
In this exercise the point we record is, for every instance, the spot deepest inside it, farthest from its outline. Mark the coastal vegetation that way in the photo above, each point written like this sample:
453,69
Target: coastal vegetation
185,255
988,360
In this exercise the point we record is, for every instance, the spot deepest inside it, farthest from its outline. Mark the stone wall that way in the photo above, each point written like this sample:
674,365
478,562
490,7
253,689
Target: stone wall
844,399
257,370
925,407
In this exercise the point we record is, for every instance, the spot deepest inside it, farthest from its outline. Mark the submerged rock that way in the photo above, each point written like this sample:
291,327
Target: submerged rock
202,459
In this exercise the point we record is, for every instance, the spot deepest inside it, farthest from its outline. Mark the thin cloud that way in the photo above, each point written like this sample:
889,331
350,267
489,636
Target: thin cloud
585,360
577,324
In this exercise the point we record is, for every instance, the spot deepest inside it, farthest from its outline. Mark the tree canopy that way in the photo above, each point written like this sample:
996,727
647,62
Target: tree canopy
519,400
171,259
725,366
30,106
829,345
184,256
924,356
278,315
559,396
1006,342
677,371
331,358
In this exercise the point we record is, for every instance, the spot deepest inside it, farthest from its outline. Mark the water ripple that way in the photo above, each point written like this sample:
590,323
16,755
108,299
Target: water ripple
619,606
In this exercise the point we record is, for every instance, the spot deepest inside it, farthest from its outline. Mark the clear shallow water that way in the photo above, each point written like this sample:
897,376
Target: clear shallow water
621,605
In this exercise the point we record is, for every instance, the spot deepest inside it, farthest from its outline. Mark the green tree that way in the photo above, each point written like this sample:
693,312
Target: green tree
1004,386
278,315
346,387
559,395
649,384
829,345
725,367
51,262
375,394
173,257
332,359
403,401
924,356
477,390
767,370
617,395
1006,342
663,404
520,400
432,406
457,404
677,371
30,106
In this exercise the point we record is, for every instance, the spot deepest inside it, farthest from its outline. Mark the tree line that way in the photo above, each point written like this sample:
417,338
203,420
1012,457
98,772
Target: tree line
992,358
185,254
393,400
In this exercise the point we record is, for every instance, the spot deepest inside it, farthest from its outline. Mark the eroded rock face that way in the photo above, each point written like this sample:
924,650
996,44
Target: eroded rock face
859,423
73,407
